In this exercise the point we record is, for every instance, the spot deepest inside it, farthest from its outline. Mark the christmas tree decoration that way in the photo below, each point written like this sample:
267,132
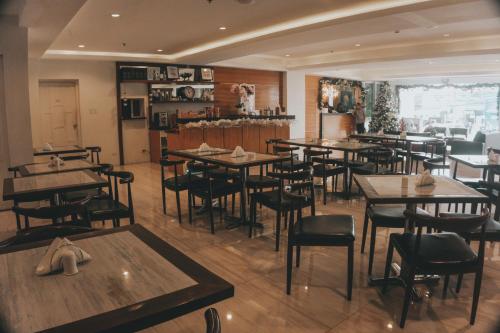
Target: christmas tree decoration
384,115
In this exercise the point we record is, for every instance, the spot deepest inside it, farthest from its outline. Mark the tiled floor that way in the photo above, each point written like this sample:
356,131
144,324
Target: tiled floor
317,302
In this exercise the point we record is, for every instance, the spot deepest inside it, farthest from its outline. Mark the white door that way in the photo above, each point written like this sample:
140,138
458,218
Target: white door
59,113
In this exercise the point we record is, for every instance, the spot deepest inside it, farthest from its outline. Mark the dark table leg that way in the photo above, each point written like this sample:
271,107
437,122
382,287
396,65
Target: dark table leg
345,193
408,157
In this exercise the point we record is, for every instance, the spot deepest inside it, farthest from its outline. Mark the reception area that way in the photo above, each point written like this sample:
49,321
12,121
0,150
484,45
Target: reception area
250,166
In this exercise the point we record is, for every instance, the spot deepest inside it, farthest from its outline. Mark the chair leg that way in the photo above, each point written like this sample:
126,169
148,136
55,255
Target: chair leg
220,208
459,283
289,258
475,296
365,230
164,200
297,258
278,230
445,285
190,206
211,214
388,262
350,183
253,212
178,202
350,270
407,299
233,201
373,236
324,190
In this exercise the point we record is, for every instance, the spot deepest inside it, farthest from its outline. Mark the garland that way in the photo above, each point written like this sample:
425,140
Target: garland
238,122
343,84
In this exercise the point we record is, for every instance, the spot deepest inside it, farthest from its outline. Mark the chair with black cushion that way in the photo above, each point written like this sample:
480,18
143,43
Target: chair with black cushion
291,164
77,212
177,184
445,253
323,230
300,181
430,150
325,168
382,216
44,233
108,206
459,133
370,168
94,152
207,187
213,321
438,162
72,196
467,148
74,157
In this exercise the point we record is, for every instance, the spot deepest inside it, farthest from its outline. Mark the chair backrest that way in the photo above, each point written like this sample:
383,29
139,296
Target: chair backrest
310,153
44,233
14,170
213,321
170,163
439,130
426,134
479,137
271,142
297,181
122,178
392,132
466,148
94,153
458,131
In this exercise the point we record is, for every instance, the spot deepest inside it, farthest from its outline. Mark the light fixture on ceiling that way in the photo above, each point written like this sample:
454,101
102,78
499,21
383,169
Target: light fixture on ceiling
446,35
115,15
357,45
159,50
81,46
222,28
287,55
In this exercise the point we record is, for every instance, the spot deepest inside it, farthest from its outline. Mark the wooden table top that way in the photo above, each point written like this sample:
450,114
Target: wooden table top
331,144
44,168
408,138
58,150
475,161
388,189
134,280
212,151
250,159
48,184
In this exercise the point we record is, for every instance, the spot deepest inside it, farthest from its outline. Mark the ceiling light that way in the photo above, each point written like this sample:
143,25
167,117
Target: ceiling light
287,55
357,45
81,46
222,28
115,15
446,35
159,50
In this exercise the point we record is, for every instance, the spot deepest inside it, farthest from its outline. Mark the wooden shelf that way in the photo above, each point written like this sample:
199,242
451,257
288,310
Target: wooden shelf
139,118
185,102
170,82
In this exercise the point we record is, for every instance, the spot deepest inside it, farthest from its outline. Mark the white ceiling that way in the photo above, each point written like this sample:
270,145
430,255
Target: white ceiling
460,37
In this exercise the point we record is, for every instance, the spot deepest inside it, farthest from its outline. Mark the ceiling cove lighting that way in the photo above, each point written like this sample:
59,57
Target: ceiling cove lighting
115,15
222,28
287,55
357,45
81,46
289,25
159,50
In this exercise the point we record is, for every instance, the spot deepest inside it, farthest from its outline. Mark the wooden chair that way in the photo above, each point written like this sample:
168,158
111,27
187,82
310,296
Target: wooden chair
323,230
94,152
72,196
443,253
177,184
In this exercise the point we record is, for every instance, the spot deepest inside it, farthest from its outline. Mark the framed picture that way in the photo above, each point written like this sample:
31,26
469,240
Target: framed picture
153,73
206,74
186,74
172,72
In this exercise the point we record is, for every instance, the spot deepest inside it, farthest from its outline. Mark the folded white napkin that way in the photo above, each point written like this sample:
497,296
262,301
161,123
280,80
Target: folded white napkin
492,156
204,147
424,179
381,132
238,152
56,162
47,147
58,249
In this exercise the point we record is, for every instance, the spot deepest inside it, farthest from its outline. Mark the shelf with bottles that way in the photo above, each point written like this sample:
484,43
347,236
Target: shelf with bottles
185,94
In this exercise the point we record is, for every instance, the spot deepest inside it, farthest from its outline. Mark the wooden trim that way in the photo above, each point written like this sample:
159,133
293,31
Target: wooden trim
209,289
77,149
119,113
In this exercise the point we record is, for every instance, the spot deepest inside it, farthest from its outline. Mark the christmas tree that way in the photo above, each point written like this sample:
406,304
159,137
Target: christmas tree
384,113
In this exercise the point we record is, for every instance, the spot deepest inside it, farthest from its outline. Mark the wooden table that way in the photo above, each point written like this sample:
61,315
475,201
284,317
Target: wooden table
44,168
477,162
48,185
344,146
135,280
387,189
408,140
241,163
59,150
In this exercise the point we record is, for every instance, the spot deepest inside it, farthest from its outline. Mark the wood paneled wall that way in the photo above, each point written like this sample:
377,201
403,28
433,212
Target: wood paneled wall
268,87
312,112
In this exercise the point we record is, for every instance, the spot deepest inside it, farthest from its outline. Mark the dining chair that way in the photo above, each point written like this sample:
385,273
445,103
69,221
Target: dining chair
44,233
177,184
290,165
14,170
208,187
459,131
108,206
445,253
94,152
213,321
322,230
72,196
430,150
300,181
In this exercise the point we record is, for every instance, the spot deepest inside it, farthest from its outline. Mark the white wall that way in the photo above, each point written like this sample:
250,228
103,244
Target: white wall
97,94
296,102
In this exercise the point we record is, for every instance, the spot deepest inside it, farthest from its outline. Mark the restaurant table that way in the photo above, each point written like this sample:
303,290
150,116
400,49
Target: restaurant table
387,189
242,163
44,168
50,184
477,162
408,140
344,146
59,150
134,280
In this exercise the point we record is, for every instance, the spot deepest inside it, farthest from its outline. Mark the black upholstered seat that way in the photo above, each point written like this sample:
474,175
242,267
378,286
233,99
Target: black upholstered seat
182,183
105,209
258,181
327,228
289,165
